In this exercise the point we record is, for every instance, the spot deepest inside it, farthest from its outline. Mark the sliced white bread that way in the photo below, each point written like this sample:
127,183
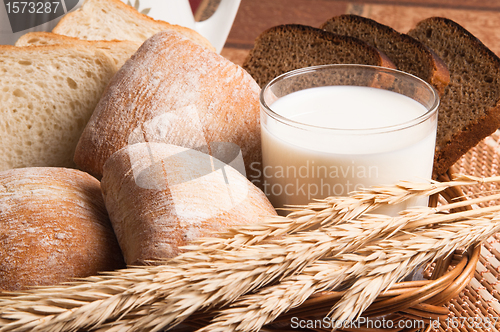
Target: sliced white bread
120,50
115,20
47,95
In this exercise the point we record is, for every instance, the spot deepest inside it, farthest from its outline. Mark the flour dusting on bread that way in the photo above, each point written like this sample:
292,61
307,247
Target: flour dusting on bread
168,74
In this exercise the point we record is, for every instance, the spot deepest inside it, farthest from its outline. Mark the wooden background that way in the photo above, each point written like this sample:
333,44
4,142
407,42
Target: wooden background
480,17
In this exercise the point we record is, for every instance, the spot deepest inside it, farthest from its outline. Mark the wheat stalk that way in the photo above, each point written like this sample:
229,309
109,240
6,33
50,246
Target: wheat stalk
330,211
183,282
374,268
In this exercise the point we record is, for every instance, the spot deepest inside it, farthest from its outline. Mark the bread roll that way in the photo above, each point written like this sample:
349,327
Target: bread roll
177,92
161,196
53,227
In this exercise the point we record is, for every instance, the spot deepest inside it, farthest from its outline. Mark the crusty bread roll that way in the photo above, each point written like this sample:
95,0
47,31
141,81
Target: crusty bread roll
177,92
161,196
53,227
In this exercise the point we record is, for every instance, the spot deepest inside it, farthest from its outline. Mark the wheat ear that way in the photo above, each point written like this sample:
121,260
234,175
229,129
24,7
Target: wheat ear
373,269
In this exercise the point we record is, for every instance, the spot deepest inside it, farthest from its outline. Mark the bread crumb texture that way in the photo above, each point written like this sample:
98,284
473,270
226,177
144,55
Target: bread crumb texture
119,50
287,47
407,53
47,95
469,109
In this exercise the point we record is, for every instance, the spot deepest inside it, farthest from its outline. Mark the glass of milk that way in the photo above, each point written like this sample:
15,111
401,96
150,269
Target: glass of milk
333,129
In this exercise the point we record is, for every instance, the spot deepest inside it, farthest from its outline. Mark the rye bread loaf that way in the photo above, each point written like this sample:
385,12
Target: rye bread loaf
53,228
47,95
119,50
174,91
287,47
115,20
469,109
407,53
161,196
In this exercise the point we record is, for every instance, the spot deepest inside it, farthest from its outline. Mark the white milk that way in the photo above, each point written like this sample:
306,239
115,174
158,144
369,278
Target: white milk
305,163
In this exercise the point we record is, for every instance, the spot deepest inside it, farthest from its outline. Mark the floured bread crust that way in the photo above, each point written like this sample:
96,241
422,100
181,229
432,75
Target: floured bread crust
177,92
53,227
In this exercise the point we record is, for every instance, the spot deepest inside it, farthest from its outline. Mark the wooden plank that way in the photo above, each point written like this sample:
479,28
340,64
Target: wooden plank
483,24
453,4
255,16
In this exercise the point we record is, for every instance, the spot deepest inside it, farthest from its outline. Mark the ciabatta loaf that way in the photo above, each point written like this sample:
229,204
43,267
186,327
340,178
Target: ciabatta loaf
174,91
120,50
161,196
53,228
407,53
470,107
47,94
288,47
115,20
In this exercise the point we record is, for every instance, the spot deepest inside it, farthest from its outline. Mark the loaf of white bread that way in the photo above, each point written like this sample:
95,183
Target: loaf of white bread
177,92
53,228
161,196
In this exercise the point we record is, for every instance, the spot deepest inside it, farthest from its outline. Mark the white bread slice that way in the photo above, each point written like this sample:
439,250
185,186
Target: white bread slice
115,20
120,50
47,95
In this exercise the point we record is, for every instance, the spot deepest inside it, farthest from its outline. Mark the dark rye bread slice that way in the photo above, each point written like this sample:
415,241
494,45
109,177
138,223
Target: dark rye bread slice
407,53
470,109
287,47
